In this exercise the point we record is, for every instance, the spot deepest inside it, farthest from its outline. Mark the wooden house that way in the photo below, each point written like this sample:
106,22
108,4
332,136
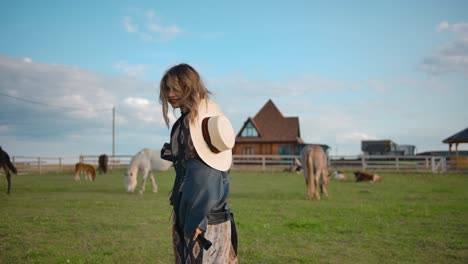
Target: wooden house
270,133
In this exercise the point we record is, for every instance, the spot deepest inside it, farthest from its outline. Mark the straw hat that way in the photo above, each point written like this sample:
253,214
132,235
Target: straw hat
213,136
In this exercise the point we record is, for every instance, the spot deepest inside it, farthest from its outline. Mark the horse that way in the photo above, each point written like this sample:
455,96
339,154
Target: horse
339,176
297,167
314,164
87,169
7,166
148,161
366,177
103,160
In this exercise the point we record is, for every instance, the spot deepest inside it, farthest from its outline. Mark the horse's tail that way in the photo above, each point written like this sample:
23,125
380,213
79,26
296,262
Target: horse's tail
10,165
310,168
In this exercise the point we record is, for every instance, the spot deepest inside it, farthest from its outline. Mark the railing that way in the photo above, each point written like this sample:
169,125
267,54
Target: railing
116,161
43,164
394,163
272,162
263,162
26,164
404,163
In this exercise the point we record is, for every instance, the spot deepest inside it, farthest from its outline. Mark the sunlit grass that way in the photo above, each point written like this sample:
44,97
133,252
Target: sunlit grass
408,218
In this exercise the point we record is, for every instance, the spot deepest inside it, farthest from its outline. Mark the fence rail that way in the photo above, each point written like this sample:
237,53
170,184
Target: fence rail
42,164
393,163
116,161
433,164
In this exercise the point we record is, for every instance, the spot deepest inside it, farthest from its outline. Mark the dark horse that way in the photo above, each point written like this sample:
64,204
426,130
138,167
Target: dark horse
7,166
103,160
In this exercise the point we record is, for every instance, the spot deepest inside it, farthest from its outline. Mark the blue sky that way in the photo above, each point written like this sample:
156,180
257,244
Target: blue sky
350,70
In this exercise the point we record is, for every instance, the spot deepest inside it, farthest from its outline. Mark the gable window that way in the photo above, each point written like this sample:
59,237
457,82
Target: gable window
249,131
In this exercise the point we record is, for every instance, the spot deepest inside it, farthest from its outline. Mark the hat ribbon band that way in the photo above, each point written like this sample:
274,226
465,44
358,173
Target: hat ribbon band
206,136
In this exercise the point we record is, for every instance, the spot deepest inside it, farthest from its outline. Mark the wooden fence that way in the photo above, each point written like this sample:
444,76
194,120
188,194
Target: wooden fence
115,162
26,164
261,162
389,163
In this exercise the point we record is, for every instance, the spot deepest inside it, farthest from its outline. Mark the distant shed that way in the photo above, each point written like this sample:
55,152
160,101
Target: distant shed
378,147
456,139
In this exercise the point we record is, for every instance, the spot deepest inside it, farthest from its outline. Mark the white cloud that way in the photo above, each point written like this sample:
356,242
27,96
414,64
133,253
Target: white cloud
5,128
154,30
145,110
354,137
131,70
27,60
58,100
166,32
333,112
74,115
452,57
459,28
137,102
128,25
341,113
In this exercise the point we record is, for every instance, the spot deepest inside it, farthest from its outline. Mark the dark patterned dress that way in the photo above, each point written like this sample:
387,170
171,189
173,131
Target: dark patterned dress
198,191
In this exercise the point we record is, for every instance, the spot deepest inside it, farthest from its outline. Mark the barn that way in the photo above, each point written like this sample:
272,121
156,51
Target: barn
270,133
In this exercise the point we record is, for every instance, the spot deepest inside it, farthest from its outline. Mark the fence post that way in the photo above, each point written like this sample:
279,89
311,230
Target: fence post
60,164
263,163
397,163
433,165
39,165
363,162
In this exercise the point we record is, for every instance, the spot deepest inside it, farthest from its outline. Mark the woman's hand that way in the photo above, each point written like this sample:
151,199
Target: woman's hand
197,232
166,152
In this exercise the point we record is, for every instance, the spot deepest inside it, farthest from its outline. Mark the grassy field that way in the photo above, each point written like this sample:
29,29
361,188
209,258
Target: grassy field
408,218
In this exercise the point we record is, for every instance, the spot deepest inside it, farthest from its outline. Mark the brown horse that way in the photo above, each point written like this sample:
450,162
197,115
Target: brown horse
7,166
362,176
103,161
86,169
314,164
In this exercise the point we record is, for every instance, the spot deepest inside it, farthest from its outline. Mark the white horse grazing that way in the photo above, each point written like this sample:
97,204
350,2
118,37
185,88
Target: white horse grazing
314,164
148,161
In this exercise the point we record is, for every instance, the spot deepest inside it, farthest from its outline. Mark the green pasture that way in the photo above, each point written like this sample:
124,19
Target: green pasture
408,218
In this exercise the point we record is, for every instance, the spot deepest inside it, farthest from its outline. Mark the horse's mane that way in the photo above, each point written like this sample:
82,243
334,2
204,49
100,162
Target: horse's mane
135,161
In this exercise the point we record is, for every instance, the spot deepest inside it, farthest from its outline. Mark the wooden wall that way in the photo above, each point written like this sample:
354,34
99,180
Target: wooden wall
267,148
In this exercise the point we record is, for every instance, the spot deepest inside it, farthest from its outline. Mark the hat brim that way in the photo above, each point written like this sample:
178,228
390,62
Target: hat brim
221,161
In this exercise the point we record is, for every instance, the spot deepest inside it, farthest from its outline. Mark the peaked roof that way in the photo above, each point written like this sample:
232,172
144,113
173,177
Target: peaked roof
272,126
460,137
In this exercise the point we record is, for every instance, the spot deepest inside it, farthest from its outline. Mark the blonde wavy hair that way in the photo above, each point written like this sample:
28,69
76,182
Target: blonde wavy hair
184,80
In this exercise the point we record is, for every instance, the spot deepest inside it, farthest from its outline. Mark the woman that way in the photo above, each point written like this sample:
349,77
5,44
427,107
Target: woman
201,151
